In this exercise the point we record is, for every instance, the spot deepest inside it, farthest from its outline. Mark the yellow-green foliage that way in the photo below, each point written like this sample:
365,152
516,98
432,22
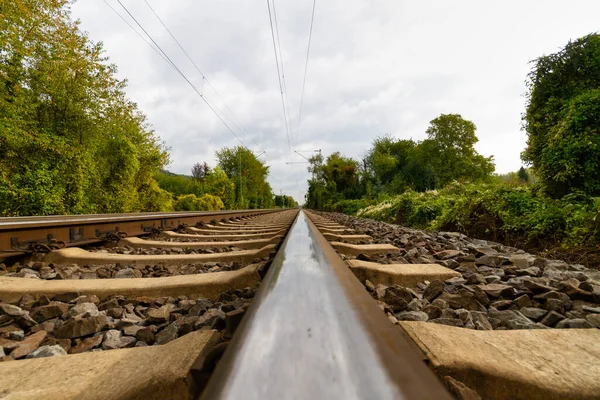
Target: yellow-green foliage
70,141
206,202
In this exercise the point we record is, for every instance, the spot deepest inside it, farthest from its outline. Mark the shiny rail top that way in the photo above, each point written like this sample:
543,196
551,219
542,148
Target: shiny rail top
306,335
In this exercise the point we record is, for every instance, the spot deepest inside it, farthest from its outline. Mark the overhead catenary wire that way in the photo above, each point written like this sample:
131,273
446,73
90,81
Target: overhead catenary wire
279,78
182,74
312,20
287,103
232,117
136,31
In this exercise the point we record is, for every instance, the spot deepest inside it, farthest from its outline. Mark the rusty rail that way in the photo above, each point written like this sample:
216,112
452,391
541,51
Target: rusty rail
21,235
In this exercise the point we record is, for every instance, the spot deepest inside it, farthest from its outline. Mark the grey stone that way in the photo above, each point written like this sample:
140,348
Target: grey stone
78,326
522,301
171,332
595,310
432,311
412,316
481,321
159,314
397,298
522,261
448,321
47,351
594,319
504,317
145,335
491,260
462,299
477,279
574,323
463,315
52,310
213,318
498,290
125,273
502,304
11,310
552,318
17,335
416,305
446,254
440,303
132,330
533,313
531,271
434,289
84,309
114,340
555,305
492,279
449,313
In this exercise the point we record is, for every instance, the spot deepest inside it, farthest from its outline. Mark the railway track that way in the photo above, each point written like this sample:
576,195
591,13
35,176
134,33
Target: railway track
261,304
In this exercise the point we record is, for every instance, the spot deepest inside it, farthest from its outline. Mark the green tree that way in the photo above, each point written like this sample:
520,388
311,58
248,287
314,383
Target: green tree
523,175
70,140
218,184
450,149
249,175
562,119
333,180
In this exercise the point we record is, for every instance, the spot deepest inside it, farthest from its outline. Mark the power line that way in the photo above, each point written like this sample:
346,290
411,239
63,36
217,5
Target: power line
233,117
287,103
136,31
279,77
182,74
312,19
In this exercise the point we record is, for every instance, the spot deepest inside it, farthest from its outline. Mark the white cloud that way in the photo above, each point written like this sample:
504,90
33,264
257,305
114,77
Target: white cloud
376,67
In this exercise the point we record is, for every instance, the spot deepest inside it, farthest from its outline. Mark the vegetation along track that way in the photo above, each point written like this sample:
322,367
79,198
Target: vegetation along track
155,317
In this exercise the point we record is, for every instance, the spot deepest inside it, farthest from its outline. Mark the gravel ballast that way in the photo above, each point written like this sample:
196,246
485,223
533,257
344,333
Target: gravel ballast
500,287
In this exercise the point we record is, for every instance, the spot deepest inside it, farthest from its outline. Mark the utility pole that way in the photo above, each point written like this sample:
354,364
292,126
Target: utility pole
240,191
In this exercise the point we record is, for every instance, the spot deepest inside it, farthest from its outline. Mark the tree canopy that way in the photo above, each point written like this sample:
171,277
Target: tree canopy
392,166
249,175
70,140
562,119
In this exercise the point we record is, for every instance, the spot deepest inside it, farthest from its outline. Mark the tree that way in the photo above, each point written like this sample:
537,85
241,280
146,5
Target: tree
200,171
562,118
285,201
523,175
249,176
334,180
70,140
451,150
218,184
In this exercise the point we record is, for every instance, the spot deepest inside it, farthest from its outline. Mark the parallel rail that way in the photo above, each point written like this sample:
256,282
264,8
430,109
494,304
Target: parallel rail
20,235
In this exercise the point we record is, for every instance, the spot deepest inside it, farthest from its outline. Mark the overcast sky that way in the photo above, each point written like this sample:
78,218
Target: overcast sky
375,67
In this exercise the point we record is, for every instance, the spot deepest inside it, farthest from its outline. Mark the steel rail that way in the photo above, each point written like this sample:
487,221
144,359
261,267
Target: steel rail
17,234
313,332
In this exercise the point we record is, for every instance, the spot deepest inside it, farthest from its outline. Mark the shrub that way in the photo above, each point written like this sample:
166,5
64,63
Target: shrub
516,216
206,202
349,206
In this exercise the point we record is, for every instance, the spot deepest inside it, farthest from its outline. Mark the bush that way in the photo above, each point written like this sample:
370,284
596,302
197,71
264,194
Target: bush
349,206
206,202
517,216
